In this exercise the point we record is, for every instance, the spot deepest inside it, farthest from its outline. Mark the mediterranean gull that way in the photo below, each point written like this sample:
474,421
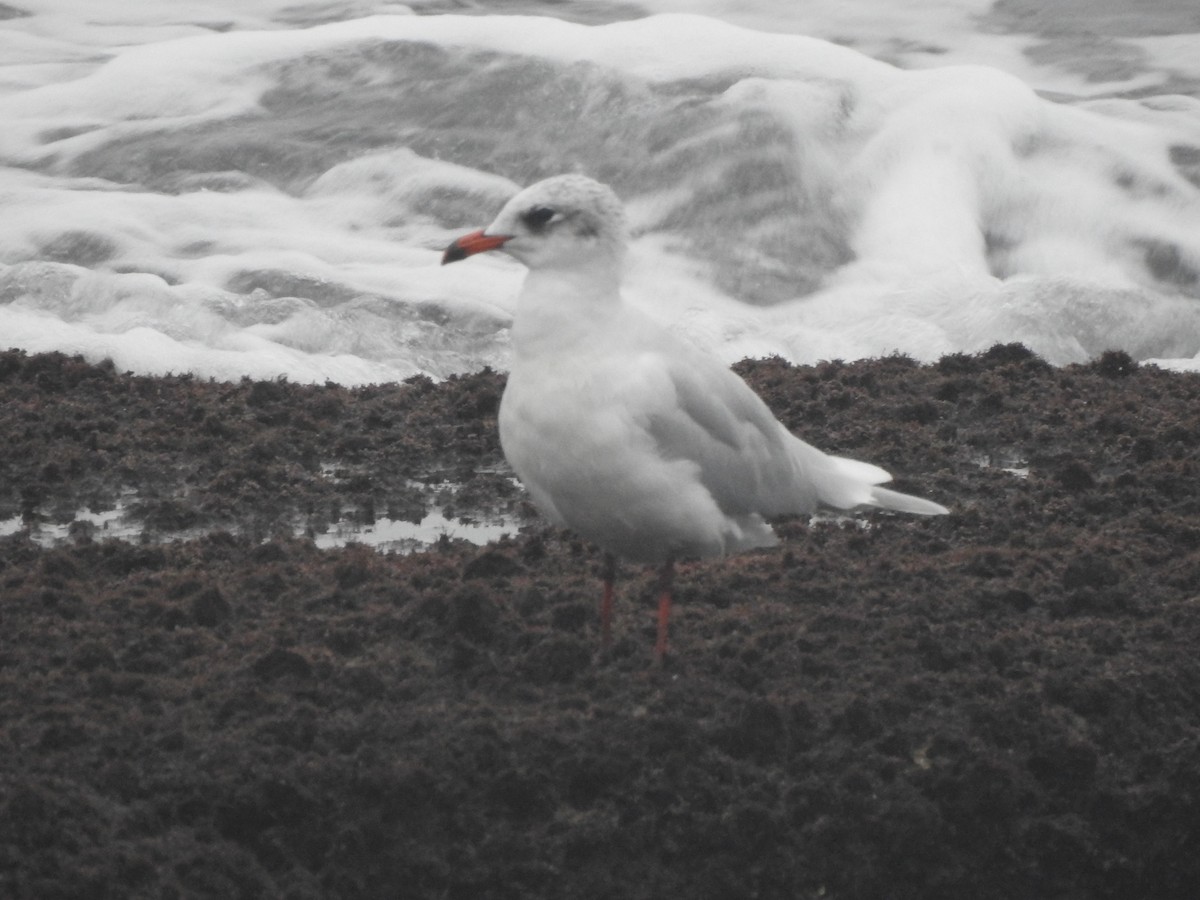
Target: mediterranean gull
626,434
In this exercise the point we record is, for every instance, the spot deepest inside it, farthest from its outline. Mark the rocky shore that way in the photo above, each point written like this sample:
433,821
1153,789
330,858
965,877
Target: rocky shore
1000,703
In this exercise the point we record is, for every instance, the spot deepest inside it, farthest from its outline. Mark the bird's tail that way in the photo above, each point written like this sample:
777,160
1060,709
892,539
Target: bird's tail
857,483
905,503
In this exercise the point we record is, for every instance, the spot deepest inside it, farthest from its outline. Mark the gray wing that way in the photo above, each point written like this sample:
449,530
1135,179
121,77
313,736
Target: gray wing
750,463
704,413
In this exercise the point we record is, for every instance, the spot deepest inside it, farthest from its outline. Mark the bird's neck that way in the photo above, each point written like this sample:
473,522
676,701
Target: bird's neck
560,308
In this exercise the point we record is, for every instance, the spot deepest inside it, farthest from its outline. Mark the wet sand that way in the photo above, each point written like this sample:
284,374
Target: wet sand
1000,703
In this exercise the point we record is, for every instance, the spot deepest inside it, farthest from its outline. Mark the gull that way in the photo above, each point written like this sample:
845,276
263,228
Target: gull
625,433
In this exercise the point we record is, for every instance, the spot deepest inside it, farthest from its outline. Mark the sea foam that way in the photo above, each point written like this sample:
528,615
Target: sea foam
253,194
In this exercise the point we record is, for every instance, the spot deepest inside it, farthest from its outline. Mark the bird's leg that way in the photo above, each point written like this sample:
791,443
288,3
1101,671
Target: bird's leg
606,602
666,581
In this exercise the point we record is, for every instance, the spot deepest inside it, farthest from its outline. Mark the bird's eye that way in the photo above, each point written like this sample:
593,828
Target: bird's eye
538,217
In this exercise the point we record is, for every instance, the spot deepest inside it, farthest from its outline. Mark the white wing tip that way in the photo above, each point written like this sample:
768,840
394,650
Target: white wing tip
894,500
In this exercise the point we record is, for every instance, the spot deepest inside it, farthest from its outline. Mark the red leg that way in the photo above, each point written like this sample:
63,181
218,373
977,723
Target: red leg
666,580
606,603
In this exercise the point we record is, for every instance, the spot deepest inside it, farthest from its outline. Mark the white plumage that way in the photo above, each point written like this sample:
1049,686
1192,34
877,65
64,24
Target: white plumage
626,434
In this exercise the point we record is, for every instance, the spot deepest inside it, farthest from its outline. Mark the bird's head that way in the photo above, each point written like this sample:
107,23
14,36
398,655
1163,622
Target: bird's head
562,221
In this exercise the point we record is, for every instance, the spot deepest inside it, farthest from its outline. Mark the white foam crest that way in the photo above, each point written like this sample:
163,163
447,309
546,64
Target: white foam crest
917,23
937,209
146,325
389,187
176,83
1177,54
937,33
149,351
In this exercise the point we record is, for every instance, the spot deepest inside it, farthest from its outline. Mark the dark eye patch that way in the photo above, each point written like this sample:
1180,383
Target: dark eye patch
537,217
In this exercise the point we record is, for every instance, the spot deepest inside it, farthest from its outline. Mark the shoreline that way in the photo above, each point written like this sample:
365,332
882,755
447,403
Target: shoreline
1001,702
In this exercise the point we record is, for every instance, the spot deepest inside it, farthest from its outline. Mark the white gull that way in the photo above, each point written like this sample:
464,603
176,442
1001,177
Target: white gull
623,432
